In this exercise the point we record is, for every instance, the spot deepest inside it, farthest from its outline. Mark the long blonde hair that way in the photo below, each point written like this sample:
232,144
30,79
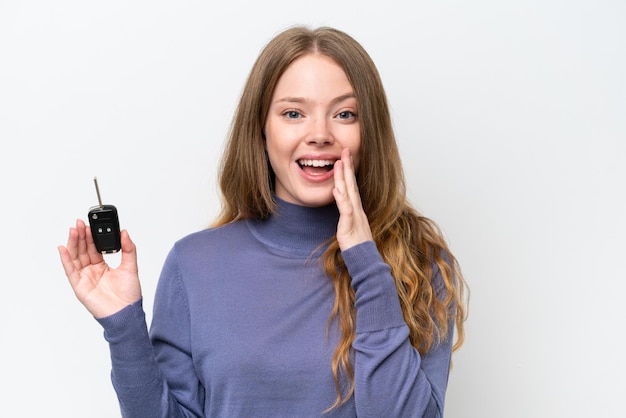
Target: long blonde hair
410,243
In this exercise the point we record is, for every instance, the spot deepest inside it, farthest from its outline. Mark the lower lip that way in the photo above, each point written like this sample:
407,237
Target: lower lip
316,178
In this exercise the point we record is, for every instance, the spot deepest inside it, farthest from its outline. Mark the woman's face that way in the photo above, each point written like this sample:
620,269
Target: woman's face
312,117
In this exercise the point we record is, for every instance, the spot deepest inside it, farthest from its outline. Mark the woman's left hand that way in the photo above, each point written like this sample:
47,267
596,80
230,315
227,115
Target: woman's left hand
353,227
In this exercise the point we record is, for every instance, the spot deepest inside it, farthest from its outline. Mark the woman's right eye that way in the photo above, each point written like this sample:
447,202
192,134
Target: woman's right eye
292,114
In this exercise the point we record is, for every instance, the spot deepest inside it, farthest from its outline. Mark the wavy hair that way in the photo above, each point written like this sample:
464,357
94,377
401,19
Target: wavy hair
410,243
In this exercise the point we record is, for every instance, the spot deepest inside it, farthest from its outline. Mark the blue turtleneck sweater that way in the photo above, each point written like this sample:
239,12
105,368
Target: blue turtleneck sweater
240,329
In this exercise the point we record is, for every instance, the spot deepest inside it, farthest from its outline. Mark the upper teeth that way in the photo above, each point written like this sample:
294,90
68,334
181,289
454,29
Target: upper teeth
316,163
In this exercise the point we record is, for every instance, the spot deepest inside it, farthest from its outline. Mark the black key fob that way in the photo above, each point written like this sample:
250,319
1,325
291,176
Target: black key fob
105,226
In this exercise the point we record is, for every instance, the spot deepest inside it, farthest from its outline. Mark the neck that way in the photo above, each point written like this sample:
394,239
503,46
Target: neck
297,229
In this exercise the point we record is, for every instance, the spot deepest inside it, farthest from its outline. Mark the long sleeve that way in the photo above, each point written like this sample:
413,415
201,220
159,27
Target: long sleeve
142,369
240,329
391,378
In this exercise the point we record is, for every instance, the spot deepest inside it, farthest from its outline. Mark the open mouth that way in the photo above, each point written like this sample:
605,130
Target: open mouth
316,166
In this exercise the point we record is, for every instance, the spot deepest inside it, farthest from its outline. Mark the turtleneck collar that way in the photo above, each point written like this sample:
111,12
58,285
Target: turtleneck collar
296,229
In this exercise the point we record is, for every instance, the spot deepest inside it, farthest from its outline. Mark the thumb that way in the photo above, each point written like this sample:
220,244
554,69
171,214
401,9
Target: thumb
129,252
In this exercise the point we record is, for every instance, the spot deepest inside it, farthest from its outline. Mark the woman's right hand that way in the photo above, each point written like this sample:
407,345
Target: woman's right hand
103,290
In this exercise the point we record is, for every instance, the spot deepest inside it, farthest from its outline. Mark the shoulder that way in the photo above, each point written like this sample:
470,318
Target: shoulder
206,236
212,240
206,250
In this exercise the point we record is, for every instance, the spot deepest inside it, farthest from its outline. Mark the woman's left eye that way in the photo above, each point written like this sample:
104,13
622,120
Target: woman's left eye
346,114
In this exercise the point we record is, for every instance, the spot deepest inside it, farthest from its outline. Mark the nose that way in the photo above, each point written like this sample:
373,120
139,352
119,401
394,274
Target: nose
319,132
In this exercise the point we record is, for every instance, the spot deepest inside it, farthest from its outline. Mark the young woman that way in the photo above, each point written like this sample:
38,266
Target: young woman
319,290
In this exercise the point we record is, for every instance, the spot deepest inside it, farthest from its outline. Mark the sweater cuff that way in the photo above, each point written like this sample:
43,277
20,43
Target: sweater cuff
377,302
132,358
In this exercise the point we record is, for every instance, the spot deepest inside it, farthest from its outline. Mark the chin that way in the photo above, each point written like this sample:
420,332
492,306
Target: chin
315,200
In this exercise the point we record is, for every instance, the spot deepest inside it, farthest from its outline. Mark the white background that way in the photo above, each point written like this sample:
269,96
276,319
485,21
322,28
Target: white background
511,122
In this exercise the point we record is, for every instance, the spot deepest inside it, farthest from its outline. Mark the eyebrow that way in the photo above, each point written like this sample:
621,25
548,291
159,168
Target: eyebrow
337,99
